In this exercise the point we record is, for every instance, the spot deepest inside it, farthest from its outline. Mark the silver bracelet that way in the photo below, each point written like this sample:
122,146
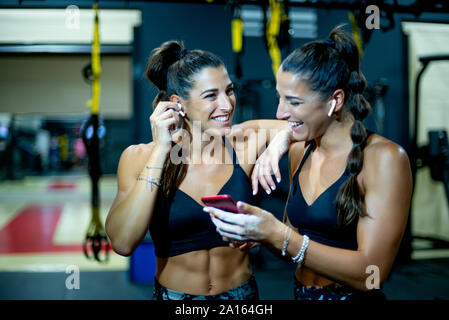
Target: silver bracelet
286,240
301,254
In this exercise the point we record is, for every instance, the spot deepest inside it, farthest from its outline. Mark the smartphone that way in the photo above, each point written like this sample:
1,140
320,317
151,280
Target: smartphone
221,201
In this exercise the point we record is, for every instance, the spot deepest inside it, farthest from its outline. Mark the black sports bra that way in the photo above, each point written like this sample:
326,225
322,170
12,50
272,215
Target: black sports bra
319,220
179,224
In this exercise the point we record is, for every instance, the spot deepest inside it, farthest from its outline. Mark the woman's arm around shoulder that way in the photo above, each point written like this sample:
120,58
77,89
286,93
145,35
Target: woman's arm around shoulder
267,128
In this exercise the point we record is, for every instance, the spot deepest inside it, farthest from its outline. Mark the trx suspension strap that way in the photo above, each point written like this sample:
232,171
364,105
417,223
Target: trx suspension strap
356,32
278,15
96,239
237,40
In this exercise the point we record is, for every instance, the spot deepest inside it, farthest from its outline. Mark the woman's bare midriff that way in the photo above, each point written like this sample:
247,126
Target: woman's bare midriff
204,272
309,278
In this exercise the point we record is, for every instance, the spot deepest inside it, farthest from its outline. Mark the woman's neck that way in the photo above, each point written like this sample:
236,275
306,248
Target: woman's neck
205,149
336,139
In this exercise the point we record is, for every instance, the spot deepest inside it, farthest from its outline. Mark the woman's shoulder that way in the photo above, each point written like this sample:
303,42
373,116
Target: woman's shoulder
135,154
296,150
137,150
379,148
384,157
295,154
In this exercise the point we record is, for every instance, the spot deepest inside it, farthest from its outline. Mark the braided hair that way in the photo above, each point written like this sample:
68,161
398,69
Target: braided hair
327,66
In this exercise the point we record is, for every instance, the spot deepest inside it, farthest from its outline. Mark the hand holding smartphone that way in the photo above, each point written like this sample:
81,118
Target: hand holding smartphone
225,202
221,201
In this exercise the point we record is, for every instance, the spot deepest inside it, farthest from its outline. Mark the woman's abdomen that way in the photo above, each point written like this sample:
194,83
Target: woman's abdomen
204,272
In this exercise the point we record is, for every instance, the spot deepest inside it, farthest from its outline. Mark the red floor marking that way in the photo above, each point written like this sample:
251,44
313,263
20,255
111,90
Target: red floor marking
31,231
61,184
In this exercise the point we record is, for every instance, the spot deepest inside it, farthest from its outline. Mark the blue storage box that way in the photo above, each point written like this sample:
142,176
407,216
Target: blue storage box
143,263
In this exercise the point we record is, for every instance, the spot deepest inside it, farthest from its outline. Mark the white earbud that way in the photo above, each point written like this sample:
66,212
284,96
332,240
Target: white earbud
334,103
181,112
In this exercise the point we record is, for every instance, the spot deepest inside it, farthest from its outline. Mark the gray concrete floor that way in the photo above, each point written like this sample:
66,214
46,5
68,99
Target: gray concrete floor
418,280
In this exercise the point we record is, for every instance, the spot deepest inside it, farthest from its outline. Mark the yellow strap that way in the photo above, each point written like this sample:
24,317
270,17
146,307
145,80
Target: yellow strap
96,219
273,28
356,33
94,103
237,35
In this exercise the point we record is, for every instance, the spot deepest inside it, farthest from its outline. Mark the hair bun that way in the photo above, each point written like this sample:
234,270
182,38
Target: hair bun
182,53
345,44
160,60
330,42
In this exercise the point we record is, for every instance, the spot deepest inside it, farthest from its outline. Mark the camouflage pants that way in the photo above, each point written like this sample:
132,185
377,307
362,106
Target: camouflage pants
246,291
334,292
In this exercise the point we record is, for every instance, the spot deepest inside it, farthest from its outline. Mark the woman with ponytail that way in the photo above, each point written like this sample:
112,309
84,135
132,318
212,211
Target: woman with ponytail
350,189
160,184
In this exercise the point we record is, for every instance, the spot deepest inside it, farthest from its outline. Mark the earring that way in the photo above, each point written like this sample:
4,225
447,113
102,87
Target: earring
334,103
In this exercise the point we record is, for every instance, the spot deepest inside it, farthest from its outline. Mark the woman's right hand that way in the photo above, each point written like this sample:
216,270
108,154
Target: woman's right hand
164,119
268,163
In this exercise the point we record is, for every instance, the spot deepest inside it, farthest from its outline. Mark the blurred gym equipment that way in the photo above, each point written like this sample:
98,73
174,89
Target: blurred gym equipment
436,153
96,239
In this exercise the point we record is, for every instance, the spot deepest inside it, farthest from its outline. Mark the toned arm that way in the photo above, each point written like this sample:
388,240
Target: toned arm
131,211
258,134
268,128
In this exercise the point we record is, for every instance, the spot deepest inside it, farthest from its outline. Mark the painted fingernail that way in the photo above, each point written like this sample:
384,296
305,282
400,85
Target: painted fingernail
268,191
254,192
278,180
272,187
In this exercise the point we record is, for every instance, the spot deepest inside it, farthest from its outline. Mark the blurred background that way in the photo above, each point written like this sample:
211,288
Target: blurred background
59,156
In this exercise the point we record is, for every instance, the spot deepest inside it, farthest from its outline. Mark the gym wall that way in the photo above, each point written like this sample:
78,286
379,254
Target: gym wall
53,85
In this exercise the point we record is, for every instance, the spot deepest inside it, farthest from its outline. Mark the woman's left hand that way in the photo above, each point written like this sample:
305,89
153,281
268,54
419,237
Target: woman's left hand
252,224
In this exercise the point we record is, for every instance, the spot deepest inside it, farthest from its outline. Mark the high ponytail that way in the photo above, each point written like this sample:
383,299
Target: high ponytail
172,68
156,72
327,66
158,64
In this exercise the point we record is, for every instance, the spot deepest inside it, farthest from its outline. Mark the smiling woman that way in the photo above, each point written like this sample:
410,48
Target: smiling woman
211,100
193,261
350,189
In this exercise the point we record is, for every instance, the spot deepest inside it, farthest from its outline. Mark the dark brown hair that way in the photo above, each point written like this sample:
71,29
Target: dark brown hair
171,68
327,66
